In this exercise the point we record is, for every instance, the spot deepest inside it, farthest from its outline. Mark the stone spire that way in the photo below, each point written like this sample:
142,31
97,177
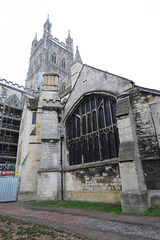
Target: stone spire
69,43
35,38
34,43
47,28
77,56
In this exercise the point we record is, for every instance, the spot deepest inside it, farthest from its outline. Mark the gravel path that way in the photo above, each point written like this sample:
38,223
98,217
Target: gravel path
92,224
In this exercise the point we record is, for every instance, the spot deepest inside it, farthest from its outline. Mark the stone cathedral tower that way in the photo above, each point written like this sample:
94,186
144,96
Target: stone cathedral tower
50,55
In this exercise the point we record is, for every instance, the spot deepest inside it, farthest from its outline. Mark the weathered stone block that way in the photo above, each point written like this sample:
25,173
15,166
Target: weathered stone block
123,107
135,202
155,201
48,186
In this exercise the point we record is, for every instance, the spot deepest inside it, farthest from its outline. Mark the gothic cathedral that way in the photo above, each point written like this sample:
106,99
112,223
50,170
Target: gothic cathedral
86,134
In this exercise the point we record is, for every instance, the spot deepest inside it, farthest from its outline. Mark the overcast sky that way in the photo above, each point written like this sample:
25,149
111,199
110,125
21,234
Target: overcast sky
119,36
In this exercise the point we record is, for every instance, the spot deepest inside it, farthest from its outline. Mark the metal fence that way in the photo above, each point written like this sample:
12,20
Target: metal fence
8,188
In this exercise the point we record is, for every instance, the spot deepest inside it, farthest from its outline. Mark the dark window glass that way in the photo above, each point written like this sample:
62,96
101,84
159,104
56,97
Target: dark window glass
116,133
84,125
112,146
78,127
107,112
34,116
114,108
96,149
83,108
91,156
89,123
85,151
75,157
70,130
74,126
101,118
94,121
93,103
88,105
104,147
99,102
79,153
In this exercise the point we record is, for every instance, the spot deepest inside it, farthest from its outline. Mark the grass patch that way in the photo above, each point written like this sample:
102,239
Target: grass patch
154,211
84,205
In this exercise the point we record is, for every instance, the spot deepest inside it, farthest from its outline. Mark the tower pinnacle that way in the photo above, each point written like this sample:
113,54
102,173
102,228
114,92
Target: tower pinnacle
77,56
47,27
69,43
35,37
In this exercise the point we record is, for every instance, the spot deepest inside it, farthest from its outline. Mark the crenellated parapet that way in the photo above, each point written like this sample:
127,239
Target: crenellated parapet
10,84
51,104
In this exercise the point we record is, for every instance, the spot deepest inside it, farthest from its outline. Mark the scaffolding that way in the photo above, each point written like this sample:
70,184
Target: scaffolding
10,117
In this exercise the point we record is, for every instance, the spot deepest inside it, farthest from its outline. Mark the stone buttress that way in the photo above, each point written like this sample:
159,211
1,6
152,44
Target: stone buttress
134,197
49,172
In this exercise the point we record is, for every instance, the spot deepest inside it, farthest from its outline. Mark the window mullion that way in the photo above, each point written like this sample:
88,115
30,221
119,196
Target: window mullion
104,115
86,114
115,133
80,114
76,132
91,112
105,122
111,112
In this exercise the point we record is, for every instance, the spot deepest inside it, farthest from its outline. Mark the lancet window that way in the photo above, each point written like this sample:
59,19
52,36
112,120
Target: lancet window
54,58
63,86
92,132
63,63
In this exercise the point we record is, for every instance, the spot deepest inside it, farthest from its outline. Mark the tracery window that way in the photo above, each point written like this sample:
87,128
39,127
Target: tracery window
92,133
13,101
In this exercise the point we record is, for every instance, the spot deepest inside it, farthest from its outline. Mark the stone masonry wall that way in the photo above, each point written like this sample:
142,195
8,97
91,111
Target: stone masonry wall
147,137
152,173
145,129
48,185
95,184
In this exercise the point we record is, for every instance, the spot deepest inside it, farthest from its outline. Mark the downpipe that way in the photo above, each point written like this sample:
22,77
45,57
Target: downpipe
61,167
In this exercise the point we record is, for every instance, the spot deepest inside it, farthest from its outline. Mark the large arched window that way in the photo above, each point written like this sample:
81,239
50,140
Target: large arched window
92,133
